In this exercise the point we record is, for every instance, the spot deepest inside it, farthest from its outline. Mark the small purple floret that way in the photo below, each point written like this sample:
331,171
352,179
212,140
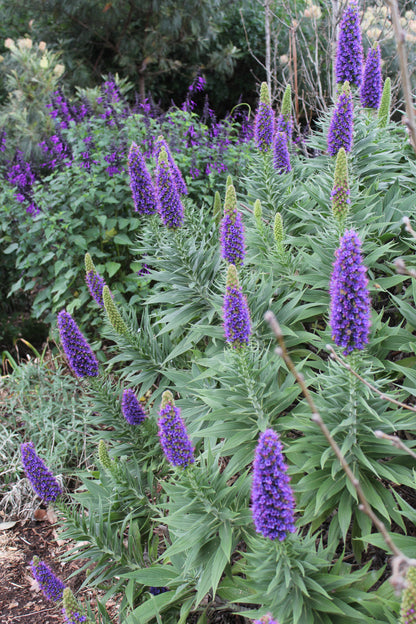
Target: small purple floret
132,410
349,60
174,438
144,195
281,157
371,86
80,355
75,617
273,503
42,480
51,585
350,301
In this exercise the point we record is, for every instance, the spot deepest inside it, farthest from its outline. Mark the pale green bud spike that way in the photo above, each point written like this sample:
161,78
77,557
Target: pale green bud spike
346,88
35,561
232,277
163,157
340,192
71,606
229,181
341,169
257,211
103,455
264,94
89,264
384,108
217,207
167,397
408,606
113,314
278,228
230,204
286,102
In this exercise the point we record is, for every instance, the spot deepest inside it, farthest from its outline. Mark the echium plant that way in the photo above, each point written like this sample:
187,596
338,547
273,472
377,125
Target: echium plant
273,503
350,301
143,192
236,315
40,477
408,606
349,57
169,202
370,92
264,121
78,352
51,586
176,172
232,230
94,281
340,131
133,412
340,195
281,157
284,120
383,114
173,435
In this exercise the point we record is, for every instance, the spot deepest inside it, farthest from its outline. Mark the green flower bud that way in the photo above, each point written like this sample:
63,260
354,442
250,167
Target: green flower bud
286,106
229,181
264,94
232,277
278,228
217,207
167,397
384,109
89,264
408,606
103,455
230,204
340,195
258,212
113,314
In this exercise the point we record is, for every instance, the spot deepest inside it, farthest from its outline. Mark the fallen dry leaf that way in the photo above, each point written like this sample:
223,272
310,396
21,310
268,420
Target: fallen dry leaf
39,515
51,515
6,525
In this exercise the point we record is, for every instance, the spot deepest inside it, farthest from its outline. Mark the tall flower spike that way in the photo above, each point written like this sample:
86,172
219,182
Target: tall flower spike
113,313
42,480
232,230
144,196
169,203
80,356
176,172
349,59
281,158
51,586
340,195
284,120
173,435
370,92
278,229
236,315
350,301
272,499
264,120
341,125
408,606
72,610
94,281
217,208
384,109
133,412
103,455
258,212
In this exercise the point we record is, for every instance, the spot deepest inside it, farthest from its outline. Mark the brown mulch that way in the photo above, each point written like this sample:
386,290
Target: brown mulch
21,600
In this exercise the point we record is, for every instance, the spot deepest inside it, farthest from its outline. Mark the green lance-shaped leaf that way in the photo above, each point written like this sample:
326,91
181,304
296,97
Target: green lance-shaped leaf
340,195
258,212
113,314
278,228
89,264
230,204
264,94
217,207
167,397
384,109
103,455
229,181
286,106
408,606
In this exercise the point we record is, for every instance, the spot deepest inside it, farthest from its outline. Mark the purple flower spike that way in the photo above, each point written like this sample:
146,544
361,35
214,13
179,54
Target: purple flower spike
80,356
144,195
236,315
95,285
176,172
281,158
169,203
341,125
273,503
173,435
51,585
42,480
133,412
264,121
371,86
232,230
350,301
349,61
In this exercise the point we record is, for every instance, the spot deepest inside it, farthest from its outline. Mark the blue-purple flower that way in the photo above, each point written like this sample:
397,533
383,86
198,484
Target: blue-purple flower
340,133
272,498
175,171
281,157
232,230
169,202
144,195
173,435
236,315
131,408
51,586
264,121
80,355
350,301
41,479
371,86
349,58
